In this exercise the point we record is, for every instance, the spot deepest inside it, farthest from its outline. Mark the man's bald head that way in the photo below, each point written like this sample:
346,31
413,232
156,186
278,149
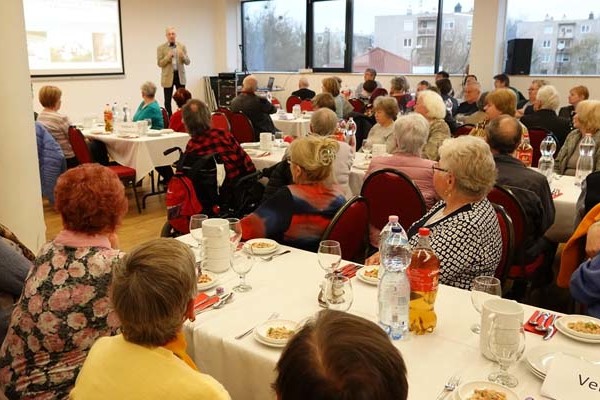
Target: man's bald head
303,83
504,134
250,84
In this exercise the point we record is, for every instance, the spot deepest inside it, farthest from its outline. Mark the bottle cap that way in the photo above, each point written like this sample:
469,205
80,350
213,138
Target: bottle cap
424,231
393,218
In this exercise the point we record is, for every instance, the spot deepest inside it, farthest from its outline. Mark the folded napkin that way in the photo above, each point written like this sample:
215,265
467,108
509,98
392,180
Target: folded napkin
571,378
203,301
349,270
537,316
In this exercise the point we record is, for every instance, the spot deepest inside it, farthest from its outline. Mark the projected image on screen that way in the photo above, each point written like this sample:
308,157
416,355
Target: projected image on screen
73,37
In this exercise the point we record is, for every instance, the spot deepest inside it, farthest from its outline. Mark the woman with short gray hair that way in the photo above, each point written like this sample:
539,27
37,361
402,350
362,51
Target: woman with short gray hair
544,115
385,110
149,108
431,105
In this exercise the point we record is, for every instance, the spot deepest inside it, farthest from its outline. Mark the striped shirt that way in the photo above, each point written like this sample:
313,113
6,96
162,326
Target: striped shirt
58,125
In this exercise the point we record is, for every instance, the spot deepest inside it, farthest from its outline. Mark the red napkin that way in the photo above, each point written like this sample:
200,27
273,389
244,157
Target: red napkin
348,270
203,301
537,316
556,193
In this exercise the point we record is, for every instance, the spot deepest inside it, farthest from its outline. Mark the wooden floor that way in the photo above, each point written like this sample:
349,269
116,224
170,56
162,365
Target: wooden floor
136,228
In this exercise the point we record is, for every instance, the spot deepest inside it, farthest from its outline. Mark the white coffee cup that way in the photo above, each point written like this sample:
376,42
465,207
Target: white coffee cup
379,149
500,311
215,227
266,141
216,265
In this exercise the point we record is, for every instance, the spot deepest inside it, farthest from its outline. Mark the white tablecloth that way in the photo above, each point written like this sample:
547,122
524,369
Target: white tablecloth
142,153
290,126
289,285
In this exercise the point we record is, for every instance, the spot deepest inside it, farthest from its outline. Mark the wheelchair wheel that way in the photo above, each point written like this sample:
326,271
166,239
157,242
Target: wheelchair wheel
168,231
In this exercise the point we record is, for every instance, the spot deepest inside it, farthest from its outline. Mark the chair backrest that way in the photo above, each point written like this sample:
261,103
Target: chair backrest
275,101
291,102
241,127
79,146
350,226
506,229
166,119
592,192
536,136
391,192
228,113
306,105
219,120
358,105
463,130
377,93
505,197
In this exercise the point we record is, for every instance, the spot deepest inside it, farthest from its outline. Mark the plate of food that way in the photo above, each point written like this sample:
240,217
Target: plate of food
275,332
580,327
261,246
483,390
368,274
207,280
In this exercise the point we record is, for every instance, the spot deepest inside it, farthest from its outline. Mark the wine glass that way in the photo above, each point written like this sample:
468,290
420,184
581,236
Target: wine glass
483,288
196,227
507,345
338,293
241,263
329,256
235,232
367,147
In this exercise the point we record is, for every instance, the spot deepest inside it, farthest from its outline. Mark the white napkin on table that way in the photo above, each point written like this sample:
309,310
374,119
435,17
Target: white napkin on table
571,378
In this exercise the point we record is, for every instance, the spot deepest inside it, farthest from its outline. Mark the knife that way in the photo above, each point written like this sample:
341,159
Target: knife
551,328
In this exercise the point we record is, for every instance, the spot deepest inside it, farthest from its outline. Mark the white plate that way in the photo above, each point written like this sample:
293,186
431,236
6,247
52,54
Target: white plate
270,246
256,152
562,324
367,279
153,133
262,330
363,165
261,341
540,358
207,285
250,145
465,391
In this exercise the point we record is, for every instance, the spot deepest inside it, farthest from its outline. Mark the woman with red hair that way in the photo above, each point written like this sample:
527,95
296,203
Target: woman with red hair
181,96
65,306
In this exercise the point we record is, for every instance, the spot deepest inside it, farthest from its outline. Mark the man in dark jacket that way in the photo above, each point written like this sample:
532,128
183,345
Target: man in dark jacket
303,91
256,108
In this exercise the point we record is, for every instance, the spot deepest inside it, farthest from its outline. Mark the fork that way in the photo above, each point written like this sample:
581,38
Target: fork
269,258
246,333
449,387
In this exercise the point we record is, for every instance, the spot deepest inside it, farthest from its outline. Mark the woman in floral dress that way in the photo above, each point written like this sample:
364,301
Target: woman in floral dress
65,306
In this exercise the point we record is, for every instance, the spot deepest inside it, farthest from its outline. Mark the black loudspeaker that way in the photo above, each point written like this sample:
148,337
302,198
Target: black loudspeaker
518,56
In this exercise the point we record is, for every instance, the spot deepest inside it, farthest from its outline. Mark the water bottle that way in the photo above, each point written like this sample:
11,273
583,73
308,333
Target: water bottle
385,233
585,163
351,133
296,111
117,117
394,288
126,113
546,162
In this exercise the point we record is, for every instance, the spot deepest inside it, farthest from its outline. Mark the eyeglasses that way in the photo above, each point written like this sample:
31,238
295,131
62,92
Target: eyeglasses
437,167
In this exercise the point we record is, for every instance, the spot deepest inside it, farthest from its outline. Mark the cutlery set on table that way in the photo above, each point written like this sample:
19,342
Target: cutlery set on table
542,323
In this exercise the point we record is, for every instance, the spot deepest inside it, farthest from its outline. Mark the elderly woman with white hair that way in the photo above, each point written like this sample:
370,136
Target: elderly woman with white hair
465,233
385,109
149,108
544,115
431,106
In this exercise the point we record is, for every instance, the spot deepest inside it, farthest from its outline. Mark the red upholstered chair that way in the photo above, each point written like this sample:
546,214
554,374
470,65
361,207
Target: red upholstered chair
536,135
219,120
166,119
125,174
241,128
463,130
275,101
350,227
391,192
377,93
228,113
358,105
291,102
306,105
506,228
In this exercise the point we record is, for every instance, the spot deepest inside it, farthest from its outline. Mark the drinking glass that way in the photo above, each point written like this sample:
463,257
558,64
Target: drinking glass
483,288
235,232
329,256
241,263
367,147
338,293
196,227
507,345
278,139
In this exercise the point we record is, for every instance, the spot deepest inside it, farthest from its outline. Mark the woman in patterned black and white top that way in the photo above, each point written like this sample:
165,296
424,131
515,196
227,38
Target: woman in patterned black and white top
465,233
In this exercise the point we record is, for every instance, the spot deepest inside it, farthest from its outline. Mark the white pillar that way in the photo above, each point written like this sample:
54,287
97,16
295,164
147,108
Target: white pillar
21,207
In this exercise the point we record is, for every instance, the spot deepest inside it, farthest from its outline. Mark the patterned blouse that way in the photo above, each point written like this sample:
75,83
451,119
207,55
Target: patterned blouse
63,309
58,125
468,242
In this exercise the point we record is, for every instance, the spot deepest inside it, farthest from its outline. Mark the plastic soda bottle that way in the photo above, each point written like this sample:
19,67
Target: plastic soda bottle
585,163
108,118
525,151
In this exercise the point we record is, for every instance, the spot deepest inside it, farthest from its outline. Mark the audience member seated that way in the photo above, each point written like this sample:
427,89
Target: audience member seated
15,262
206,140
65,307
369,75
576,94
464,228
423,85
149,108
303,91
450,102
503,81
586,120
386,111
478,116
527,108
498,102
531,189
585,285
181,96
51,161
399,89
332,86
368,89
56,123
431,106
544,114
257,108
323,100
152,292
471,93
298,214
468,79
338,355
441,75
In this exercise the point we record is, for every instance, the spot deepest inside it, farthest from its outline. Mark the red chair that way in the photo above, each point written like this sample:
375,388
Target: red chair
125,174
166,119
358,105
377,93
275,101
306,105
241,128
463,130
507,231
391,192
219,121
291,102
536,135
228,113
350,227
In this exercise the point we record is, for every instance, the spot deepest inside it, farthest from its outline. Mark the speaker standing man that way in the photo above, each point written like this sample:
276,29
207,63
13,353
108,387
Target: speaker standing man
172,58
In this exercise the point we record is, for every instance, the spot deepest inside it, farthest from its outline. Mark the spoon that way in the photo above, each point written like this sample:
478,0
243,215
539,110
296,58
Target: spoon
541,326
269,258
219,304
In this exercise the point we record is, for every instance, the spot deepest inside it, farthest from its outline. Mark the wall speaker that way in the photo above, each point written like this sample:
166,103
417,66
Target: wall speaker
518,56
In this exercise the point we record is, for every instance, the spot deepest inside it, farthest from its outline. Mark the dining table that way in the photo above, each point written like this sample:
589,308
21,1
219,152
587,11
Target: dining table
289,125
289,284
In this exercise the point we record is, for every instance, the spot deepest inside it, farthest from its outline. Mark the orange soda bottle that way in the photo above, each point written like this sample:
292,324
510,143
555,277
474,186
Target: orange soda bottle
108,119
525,151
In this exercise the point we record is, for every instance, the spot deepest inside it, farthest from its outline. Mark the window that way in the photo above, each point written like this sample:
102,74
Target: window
545,58
274,35
407,42
575,33
449,24
454,54
330,51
